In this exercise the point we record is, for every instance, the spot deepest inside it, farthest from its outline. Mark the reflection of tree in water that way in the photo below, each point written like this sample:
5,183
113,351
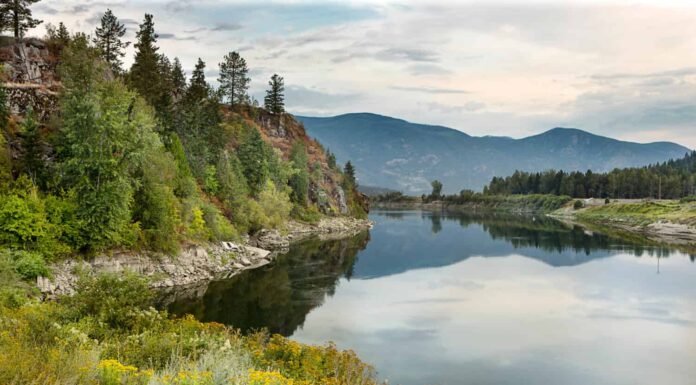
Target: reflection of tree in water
279,296
552,235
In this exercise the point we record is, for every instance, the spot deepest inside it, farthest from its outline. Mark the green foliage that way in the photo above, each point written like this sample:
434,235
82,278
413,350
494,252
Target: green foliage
437,189
299,181
233,190
144,75
106,140
218,227
29,265
309,214
275,98
111,299
156,206
32,148
184,183
234,79
5,163
669,180
253,155
24,224
210,181
349,176
108,40
577,205
275,204
688,199
17,16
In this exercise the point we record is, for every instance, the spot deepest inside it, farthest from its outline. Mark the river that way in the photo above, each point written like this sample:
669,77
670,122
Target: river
477,299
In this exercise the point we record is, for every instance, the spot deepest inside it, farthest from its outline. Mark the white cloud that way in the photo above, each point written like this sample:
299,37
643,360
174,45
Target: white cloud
626,70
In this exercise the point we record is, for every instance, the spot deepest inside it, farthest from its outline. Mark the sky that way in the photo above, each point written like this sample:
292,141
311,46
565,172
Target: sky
511,68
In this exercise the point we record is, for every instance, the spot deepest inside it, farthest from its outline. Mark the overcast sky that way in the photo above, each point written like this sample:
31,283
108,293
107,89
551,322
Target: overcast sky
513,68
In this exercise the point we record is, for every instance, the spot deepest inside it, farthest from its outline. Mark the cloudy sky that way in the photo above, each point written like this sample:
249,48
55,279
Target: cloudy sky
513,68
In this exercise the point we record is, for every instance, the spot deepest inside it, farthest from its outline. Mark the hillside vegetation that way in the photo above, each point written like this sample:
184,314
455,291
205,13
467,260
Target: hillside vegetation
98,159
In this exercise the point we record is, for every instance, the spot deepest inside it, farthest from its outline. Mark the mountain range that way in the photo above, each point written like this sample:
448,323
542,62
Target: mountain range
396,154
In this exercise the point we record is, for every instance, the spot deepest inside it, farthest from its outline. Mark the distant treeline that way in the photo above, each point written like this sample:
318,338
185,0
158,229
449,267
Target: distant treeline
669,180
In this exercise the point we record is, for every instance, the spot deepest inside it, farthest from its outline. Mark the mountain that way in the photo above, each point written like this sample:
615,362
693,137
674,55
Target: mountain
397,154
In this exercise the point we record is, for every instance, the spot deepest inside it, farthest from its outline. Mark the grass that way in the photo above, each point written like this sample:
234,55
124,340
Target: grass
642,213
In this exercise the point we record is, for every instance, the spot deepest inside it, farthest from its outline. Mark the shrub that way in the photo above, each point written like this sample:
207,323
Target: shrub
111,299
607,201
578,205
29,265
275,204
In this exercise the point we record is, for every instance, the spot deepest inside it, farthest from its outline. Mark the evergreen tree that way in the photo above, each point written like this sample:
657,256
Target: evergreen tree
108,40
299,181
233,186
144,74
275,99
234,80
58,35
17,17
253,156
349,172
198,89
178,80
32,149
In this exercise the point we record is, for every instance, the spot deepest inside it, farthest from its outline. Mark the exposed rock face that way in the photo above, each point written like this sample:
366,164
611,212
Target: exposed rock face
199,264
32,82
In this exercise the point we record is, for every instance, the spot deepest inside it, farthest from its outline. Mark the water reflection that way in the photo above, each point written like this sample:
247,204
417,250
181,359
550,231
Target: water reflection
431,298
277,297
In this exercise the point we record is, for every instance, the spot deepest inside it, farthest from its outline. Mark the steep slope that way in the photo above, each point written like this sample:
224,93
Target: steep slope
397,154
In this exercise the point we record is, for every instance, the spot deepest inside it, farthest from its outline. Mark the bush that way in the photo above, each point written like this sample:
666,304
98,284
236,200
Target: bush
29,265
607,201
578,205
275,204
309,214
111,299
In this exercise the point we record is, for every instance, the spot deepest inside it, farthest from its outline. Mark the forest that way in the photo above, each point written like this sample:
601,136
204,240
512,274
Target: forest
673,179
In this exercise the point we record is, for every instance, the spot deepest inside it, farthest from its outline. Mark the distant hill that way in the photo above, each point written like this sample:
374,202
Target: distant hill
396,154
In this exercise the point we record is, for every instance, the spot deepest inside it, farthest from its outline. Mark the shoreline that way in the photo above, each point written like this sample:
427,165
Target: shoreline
198,264
658,230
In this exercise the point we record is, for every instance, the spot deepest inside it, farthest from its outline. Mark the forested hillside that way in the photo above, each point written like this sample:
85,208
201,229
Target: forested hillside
96,157
405,156
668,180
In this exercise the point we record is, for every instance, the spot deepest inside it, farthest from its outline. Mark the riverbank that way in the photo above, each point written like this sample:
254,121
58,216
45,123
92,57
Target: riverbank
513,204
664,221
196,264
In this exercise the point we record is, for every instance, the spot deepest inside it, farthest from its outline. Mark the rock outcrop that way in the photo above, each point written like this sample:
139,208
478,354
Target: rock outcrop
199,264
31,77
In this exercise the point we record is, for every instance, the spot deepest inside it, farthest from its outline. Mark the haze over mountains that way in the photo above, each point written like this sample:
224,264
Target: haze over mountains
397,154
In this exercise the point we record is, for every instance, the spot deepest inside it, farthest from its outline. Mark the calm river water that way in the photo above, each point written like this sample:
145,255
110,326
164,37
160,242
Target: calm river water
463,299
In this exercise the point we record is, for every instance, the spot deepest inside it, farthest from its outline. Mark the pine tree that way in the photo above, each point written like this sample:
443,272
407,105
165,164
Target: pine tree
108,40
275,100
198,88
234,80
253,154
144,74
16,16
178,80
349,172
